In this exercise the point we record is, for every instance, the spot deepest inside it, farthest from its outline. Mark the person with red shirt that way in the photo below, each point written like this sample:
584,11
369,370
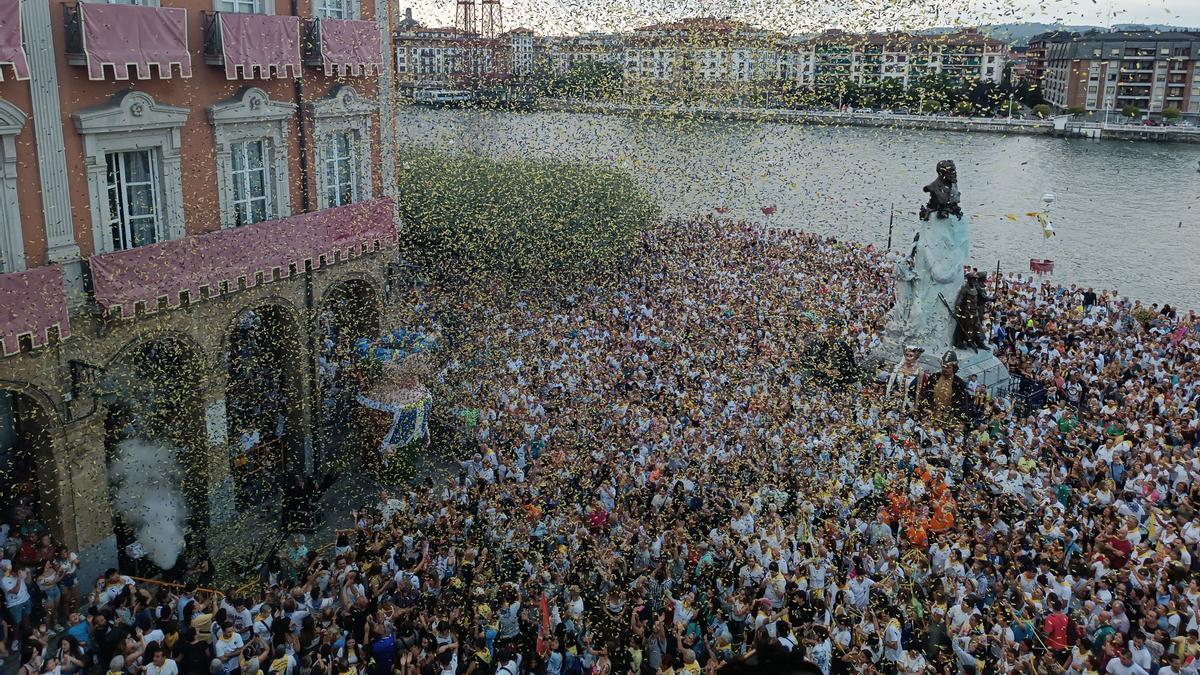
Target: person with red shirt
1054,627
1117,550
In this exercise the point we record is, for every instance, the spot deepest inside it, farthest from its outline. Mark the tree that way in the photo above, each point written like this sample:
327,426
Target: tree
1077,110
1171,114
471,220
592,79
1041,110
1131,110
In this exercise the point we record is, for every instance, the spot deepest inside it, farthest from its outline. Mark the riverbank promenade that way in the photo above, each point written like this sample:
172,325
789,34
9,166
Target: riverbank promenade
1062,126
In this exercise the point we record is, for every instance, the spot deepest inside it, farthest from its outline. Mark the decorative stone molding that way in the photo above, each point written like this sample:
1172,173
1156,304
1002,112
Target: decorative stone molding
12,242
43,55
252,115
343,110
132,120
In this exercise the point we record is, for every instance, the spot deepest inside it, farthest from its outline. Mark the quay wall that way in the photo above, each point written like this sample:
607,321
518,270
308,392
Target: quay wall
927,122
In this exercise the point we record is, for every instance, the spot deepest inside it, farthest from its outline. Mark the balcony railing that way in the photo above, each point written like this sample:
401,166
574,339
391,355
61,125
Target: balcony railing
210,25
73,34
310,42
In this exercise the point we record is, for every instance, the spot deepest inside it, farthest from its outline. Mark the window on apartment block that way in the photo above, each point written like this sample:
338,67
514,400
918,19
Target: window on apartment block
341,185
251,180
134,189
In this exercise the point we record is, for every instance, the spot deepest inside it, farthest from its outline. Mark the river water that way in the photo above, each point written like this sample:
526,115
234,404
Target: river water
1127,214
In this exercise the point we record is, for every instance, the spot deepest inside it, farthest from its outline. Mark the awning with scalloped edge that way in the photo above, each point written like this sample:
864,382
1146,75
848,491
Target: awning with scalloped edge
33,305
11,51
195,268
351,46
260,46
134,37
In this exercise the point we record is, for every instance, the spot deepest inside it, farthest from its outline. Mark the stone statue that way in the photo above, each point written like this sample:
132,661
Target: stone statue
969,313
933,314
946,394
930,278
902,381
943,192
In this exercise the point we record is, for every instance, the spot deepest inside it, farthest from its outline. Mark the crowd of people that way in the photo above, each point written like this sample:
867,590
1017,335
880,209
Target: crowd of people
676,474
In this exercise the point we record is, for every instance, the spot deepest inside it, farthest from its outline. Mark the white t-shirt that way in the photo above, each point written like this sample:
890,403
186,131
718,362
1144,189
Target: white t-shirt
223,647
15,591
1115,667
911,664
167,668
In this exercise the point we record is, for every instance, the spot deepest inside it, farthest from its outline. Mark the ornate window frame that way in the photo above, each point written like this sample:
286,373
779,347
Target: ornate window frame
132,120
353,9
252,115
12,240
266,6
344,110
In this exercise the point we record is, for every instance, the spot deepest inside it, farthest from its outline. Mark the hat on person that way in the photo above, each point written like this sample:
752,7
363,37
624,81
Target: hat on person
117,663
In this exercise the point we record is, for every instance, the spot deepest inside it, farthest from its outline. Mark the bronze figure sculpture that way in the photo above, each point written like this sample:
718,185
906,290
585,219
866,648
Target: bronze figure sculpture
943,192
969,313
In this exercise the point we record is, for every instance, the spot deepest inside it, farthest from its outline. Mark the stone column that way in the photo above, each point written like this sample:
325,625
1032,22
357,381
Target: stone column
300,419
48,131
221,507
79,491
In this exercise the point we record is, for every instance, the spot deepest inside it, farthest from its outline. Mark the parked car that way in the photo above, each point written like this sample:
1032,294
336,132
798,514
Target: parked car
1149,122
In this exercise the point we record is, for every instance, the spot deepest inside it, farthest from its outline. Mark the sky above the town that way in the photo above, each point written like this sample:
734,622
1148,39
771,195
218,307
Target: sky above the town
806,16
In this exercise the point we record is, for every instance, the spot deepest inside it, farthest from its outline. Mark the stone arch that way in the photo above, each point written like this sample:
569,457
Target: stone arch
37,394
264,351
154,389
30,430
352,303
123,353
350,308
282,303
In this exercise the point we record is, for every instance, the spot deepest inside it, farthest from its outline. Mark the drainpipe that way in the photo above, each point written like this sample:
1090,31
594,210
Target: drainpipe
298,97
315,412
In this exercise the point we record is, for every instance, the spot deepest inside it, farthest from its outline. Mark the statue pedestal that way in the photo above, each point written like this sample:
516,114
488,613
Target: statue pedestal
982,363
988,369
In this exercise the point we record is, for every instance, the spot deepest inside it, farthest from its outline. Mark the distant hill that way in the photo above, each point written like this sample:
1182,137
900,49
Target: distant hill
1018,34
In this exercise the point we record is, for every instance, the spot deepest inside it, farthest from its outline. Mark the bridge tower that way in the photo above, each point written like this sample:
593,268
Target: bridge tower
491,21
464,16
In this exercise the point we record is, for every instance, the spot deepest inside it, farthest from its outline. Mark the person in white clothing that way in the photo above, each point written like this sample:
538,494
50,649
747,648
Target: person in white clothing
911,662
1125,666
160,664
228,648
